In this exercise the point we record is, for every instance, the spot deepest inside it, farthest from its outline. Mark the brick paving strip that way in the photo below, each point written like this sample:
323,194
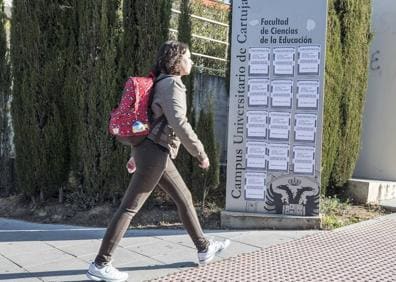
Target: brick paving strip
361,252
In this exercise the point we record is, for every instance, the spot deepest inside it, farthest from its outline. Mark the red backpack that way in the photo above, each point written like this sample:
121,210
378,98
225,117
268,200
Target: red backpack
130,121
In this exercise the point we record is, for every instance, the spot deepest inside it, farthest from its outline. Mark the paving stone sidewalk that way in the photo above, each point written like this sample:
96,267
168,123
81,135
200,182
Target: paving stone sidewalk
361,252
43,252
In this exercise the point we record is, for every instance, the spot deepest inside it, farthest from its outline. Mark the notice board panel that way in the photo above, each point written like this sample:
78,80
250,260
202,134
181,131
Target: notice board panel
276,106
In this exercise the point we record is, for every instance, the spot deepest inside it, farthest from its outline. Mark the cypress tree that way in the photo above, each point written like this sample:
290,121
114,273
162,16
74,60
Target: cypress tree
5,130
355,16
115,155
22,103
184,24
71,93
203,182
36,107
184,161
334,75
146,25
97,94
129,38
145,28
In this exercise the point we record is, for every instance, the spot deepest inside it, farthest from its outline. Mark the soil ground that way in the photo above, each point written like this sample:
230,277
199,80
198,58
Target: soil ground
335,215
52,212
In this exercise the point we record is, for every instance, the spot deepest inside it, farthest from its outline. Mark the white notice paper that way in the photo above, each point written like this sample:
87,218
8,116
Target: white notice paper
255,185
305,127
257,124
256,155
304,159
308,59
255,194
281,93
279,125
258,92
259,61
278,157
283,61
307,93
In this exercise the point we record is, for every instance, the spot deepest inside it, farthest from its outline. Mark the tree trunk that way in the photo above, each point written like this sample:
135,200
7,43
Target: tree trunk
41,195
33,200
61,195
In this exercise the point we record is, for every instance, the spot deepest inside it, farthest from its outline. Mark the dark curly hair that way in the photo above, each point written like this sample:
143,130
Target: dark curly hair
169,56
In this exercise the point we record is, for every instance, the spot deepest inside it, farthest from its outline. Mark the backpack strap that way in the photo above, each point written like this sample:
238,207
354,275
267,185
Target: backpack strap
162,118
157,121
160,129
151,99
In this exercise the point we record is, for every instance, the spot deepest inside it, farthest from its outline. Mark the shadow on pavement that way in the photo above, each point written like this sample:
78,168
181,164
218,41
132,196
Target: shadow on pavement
75,234
14,276
17,231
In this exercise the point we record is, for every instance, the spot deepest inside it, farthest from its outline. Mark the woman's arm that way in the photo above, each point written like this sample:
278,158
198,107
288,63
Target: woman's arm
174,106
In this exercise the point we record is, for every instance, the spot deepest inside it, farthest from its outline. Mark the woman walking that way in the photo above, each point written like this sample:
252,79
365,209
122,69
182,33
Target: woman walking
154,165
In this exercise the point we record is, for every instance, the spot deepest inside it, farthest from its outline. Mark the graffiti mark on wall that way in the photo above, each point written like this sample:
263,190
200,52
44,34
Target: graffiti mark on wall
374,62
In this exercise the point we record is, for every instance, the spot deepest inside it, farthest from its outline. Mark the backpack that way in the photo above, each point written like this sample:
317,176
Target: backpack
130,120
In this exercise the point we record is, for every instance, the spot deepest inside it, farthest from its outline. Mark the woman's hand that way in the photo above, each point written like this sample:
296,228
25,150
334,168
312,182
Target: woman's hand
204,164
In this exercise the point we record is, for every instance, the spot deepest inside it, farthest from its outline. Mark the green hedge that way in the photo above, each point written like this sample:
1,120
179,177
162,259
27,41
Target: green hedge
184,161
333,94
36,56
348,43
205,182
200,182
6,164
145,28
99,165
69,63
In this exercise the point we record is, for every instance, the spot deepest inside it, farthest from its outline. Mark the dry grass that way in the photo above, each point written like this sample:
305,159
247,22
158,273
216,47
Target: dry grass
335,214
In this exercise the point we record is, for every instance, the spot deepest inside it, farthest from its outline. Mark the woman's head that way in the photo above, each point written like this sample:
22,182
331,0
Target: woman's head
174,58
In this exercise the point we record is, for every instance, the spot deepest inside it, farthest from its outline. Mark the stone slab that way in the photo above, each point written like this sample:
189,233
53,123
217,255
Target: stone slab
389,205
11,271
34,258
369,191
182,240
64,270
242,220
158,248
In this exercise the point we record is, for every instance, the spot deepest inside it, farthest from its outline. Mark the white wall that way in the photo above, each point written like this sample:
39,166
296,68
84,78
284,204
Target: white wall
378,152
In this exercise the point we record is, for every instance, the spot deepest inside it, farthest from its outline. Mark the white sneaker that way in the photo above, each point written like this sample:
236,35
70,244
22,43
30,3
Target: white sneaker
213,248
107,273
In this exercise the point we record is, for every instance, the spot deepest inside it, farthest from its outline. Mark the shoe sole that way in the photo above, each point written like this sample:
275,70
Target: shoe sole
95,278
226,244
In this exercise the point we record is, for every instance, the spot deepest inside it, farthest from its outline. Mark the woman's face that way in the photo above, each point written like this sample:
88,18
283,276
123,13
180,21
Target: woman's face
186,63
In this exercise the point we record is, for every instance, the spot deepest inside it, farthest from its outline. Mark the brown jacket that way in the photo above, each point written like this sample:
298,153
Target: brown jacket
170,100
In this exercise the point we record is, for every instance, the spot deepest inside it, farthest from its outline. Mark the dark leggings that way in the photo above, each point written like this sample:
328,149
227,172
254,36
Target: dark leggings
154,167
